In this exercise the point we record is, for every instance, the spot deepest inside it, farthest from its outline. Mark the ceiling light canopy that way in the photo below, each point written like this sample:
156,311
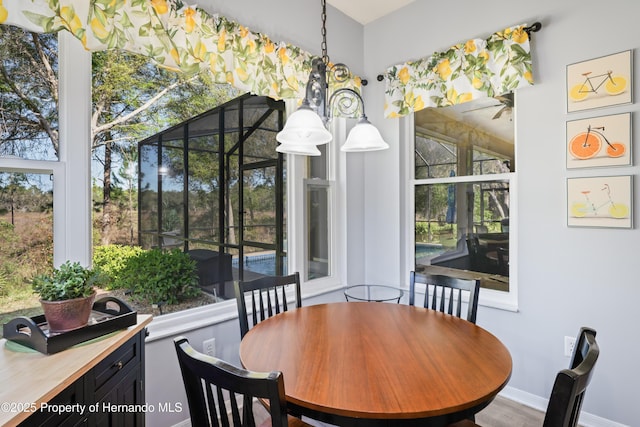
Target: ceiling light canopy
306,128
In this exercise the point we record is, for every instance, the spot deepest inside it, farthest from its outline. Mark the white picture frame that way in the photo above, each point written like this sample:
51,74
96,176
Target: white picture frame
599,141
602,202
600,82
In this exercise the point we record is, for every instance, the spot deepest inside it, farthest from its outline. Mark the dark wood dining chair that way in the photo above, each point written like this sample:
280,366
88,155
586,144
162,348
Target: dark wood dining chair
445,293
267,296
215,388
567,394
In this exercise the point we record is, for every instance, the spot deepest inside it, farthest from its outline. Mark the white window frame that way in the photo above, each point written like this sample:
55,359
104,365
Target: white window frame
327,185
72,172
488,297
298,197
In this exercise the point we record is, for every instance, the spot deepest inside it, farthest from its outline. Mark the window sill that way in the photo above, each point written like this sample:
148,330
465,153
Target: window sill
499,300
173,324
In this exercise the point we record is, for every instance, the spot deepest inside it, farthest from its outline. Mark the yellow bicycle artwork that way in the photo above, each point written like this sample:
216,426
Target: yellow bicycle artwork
613,85
600,201
582,208
599,82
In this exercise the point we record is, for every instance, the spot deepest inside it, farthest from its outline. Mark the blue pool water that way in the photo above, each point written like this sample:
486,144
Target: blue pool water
262,264
266,264
428,250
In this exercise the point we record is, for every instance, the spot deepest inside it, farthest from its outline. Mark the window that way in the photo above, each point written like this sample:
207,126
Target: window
464,166
214,184
317,199
29,149
26,233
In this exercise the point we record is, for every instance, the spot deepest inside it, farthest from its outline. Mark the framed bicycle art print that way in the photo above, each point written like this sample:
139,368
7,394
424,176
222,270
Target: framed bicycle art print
600,82
599,141
604,201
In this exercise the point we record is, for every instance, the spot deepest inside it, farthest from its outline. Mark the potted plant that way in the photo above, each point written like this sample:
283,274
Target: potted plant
67,295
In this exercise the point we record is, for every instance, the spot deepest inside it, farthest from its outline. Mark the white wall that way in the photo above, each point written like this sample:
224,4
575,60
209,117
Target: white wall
567,277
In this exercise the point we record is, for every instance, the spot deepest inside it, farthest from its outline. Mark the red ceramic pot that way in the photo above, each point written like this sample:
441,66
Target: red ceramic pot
66,315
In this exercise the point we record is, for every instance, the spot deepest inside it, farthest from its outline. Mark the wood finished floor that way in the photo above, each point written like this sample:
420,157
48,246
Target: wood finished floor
500,413
507,413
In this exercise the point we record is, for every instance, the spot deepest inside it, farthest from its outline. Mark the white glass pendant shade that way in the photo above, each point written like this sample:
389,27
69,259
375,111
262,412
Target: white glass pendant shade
364,137
300,149
304,126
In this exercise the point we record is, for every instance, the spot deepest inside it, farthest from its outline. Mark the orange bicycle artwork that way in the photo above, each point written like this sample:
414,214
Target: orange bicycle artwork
599,82
599,141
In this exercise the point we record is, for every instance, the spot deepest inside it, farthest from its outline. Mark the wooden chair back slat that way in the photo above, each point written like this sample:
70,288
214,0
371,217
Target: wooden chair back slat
268,297
445,293
213,416
213,386
571,384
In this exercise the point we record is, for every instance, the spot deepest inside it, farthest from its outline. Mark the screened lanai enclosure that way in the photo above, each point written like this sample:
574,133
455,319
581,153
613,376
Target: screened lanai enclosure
213,186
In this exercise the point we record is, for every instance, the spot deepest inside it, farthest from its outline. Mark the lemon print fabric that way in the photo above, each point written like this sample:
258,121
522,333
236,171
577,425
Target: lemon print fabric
3,13
176,36
474,69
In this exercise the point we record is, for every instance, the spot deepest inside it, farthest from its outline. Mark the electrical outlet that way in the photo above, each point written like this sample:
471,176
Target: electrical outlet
569,342
209,347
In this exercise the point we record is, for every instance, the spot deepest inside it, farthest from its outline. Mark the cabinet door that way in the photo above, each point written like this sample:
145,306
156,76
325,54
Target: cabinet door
119,407
128,356
72,395
113,389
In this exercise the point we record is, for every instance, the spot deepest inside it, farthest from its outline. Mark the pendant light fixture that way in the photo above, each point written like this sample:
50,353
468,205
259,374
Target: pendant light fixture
306,128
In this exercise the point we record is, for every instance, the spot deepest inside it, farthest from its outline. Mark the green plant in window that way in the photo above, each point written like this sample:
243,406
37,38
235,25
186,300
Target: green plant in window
170,220
161,276
69,281
112,260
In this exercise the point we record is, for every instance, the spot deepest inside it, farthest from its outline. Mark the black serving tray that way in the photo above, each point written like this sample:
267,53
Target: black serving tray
108,315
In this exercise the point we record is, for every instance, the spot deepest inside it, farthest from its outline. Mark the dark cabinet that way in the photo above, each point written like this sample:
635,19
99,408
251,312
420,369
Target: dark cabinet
118,383
117,407
74,394
111,393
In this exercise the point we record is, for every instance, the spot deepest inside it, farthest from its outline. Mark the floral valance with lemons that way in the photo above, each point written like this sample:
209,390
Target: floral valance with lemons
176,36
467,71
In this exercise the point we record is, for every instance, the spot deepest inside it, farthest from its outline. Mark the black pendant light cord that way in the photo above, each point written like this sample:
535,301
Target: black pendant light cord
323,46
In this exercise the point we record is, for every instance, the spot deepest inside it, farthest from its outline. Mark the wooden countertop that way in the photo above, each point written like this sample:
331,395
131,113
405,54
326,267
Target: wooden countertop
32,377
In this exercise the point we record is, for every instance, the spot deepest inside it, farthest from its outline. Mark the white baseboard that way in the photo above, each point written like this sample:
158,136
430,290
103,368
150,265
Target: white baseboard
539,403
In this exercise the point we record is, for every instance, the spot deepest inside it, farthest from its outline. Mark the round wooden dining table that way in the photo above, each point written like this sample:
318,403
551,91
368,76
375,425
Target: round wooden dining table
379,364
